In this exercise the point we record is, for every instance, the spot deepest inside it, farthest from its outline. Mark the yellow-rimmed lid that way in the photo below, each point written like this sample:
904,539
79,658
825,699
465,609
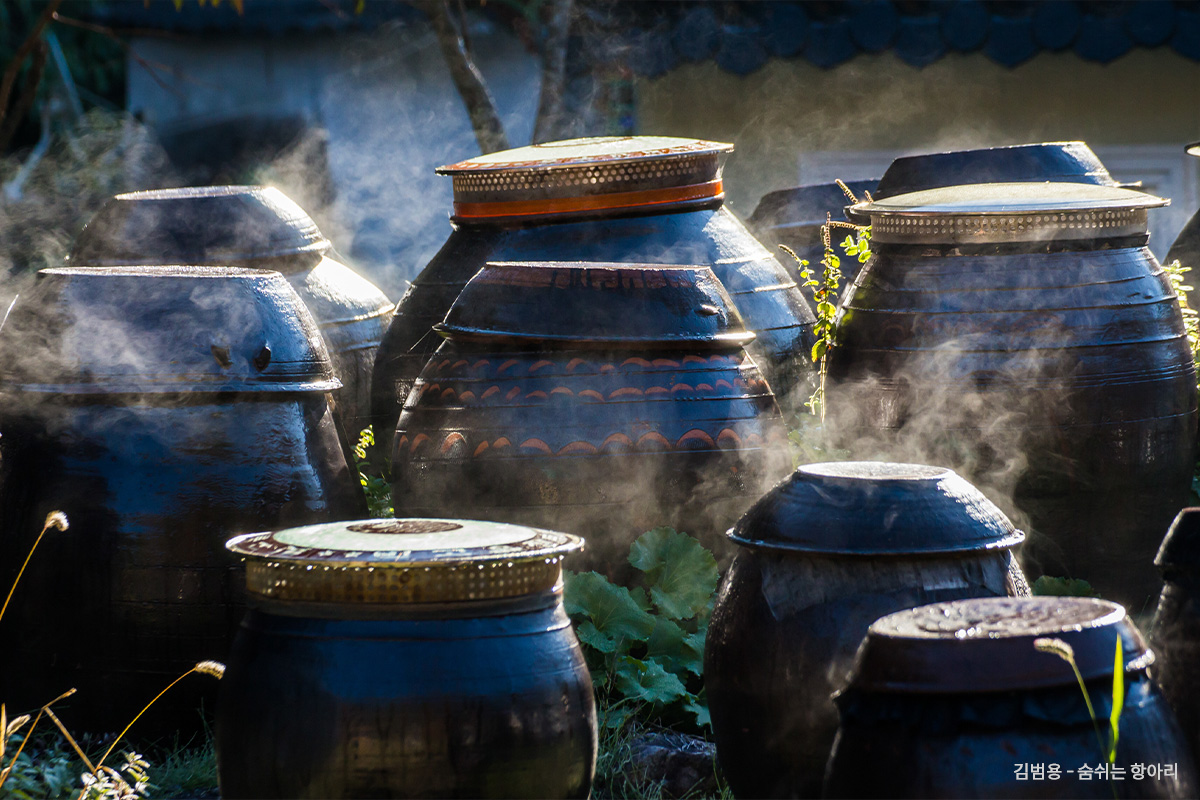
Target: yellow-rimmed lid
403,561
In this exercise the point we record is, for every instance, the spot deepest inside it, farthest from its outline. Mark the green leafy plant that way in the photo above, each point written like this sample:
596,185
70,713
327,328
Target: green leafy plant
1064,651
645,645
374,483
825,292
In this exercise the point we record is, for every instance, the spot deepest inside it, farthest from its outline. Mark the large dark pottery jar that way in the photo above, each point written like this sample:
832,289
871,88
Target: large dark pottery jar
975,699
640,199
163,409
794,217
259,227
1024,335
822,556
1175,631
406,658
598,398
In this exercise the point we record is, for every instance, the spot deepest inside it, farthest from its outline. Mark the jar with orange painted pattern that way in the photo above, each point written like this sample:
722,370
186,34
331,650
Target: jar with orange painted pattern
601,399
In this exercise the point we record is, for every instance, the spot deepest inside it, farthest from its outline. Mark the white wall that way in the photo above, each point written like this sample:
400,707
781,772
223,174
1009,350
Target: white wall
387,102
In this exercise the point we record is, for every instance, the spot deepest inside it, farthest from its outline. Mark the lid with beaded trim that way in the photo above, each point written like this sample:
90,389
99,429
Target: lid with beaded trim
587,176
987,213
403,561
996,644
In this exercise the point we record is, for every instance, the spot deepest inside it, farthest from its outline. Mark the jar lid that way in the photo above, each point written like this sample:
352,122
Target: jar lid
210,225
596,304
1072,162
869,508
1009,212
577,176
403,561
135,330
991,644
1180,549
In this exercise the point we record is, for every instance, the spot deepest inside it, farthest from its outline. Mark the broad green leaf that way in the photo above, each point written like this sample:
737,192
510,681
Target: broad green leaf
617,715
698,706
647,681
819,348
675,648
682,574
592,637
826,310
610,608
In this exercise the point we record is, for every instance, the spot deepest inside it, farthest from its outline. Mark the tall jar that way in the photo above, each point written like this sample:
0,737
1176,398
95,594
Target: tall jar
820,557
600,398
406,658
258,227
1023,334
977,699
163,409
633,199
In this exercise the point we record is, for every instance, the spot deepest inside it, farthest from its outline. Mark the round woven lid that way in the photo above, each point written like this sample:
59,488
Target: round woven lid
592,304
580,176
996,644
868,508
403,561
162,329
213,225
1009,212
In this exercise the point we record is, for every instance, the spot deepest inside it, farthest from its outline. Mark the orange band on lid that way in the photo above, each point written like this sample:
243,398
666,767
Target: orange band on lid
600,202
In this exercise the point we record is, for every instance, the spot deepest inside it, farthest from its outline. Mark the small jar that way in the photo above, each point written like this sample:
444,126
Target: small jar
974,698
406,658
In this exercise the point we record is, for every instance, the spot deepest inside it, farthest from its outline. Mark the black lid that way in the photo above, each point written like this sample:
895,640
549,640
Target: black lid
996,644
596,304
119,330
210,225
868,508
1044,161
807,205
1180,549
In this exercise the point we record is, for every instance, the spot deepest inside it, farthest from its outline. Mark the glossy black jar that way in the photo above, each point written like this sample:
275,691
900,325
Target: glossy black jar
1175,630
406,658
163,409
821,556
969,699
641,199
1024,335
606,399
258,227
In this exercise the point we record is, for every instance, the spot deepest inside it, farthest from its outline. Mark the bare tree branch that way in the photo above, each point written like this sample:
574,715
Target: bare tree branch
485,120
27,47
9,123
552,118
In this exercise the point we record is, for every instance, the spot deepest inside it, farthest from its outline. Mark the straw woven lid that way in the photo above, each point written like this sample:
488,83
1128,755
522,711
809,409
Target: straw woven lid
581,176
403,561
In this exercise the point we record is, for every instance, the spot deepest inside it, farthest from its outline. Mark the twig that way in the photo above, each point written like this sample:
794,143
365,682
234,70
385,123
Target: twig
14,66
15,187
64,72
10,121
551,113
151,67
485,119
